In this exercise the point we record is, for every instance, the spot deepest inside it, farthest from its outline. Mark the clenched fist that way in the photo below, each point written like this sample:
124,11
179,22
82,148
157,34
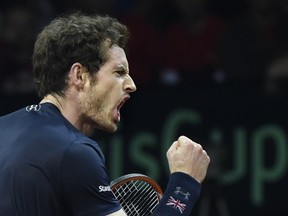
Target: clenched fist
188,157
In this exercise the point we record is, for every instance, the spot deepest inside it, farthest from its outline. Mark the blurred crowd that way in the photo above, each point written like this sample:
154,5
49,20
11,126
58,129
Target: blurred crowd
173,42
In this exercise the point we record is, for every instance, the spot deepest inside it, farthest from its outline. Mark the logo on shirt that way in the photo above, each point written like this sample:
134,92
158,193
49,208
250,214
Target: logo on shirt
104,188
35,108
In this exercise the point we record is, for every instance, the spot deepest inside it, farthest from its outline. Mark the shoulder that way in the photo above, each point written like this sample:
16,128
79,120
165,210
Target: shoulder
84,149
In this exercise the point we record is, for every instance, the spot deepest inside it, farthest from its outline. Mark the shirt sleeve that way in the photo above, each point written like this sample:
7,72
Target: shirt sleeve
85,184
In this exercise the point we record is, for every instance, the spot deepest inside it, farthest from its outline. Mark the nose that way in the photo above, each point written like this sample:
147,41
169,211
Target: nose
129,84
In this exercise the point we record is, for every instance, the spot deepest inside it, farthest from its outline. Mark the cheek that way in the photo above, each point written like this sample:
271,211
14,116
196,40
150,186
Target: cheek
90,102
99,101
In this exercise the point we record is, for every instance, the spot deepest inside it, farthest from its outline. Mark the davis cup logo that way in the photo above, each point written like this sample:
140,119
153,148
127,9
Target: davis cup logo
35,108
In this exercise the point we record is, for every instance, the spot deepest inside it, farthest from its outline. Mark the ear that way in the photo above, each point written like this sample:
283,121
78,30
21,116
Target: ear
78,75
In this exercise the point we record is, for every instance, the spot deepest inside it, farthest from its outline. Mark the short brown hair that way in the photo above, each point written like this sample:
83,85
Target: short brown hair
73,38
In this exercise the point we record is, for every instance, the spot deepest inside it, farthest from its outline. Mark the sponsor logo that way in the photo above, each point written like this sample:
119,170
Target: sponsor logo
179,191
104,188
35,108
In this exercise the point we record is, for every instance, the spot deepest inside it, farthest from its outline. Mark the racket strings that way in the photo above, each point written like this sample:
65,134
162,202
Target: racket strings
137,197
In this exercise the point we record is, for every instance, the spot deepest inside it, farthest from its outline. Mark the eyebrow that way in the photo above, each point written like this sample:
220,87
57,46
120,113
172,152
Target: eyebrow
122,68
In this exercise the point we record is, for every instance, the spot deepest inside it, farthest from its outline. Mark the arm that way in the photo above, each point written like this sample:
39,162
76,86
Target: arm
188,164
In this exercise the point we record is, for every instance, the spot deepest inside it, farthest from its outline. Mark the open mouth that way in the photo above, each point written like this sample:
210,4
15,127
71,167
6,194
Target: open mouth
122,102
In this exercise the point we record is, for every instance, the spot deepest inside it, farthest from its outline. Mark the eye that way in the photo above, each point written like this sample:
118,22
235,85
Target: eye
120,73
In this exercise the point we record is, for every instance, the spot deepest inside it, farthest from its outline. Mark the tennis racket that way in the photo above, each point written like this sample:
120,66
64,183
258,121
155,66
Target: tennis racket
138,194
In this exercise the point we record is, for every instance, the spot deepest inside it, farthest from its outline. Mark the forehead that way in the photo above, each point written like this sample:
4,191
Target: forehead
116,56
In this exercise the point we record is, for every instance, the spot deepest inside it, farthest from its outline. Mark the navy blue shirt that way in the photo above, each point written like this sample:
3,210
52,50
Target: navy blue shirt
48,167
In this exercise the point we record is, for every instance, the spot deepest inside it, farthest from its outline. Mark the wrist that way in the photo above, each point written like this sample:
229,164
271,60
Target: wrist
181,194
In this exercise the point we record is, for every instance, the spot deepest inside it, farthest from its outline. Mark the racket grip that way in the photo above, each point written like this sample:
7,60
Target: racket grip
181,194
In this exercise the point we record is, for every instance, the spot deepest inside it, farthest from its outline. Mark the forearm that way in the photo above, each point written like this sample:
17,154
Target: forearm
180,196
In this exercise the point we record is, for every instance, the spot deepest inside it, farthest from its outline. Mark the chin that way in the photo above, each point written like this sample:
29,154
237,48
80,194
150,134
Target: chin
111,128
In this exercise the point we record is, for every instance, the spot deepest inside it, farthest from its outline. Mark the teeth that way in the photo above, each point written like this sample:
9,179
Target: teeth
121,104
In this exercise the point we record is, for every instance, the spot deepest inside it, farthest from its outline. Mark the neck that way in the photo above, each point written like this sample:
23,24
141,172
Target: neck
54,100
69,111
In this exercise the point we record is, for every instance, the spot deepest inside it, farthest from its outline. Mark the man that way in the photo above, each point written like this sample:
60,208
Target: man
48,166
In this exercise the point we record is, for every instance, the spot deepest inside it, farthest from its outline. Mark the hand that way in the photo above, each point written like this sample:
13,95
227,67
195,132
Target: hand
188,157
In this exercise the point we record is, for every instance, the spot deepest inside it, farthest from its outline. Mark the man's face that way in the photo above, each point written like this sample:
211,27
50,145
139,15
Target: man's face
103,98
